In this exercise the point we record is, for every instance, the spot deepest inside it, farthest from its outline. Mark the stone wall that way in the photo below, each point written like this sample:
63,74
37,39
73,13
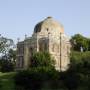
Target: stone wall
48,36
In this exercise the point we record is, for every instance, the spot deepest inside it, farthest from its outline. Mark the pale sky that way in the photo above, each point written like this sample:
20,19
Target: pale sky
18,17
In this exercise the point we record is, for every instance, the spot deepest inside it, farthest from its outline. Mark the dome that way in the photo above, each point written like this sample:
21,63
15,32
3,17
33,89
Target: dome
48,23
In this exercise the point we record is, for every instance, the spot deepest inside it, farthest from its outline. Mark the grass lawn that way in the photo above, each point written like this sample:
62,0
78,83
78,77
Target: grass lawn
6,81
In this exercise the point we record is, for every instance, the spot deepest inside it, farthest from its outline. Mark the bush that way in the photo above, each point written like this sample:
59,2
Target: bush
6,66
36,79
77,77
0,84
80,65
40,59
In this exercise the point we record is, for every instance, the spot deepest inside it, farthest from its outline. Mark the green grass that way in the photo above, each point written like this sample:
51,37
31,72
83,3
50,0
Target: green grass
6,81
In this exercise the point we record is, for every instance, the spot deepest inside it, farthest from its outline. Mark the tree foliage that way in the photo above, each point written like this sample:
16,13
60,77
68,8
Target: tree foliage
42,59
36,79
7,54
5,44
77,77
79,41
6,66
80,65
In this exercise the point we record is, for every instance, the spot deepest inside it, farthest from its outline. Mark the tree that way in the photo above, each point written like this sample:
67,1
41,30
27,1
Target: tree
89,44
5,45
7,54
78,41
6,66
12,55
42,59
80,65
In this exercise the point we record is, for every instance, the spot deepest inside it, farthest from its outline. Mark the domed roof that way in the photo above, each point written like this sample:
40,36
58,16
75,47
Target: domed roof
49,22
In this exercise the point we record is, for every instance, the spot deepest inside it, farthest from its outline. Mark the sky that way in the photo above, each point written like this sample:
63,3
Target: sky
18,17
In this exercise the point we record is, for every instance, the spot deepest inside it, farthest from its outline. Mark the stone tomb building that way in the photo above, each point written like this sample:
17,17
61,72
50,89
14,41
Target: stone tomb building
48,36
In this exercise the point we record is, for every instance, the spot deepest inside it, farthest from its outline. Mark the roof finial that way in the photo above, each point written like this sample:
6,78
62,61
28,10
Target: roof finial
18,39
25,36
49,17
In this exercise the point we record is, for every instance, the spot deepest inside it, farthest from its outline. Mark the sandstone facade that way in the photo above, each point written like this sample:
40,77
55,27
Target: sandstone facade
49,36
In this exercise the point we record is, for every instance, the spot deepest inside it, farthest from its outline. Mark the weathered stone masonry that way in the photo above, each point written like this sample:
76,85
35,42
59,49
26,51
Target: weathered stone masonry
48,35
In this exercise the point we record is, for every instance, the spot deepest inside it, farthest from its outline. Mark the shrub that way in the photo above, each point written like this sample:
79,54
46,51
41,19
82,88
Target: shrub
6,66
40,59
36,78
0,84
80,65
